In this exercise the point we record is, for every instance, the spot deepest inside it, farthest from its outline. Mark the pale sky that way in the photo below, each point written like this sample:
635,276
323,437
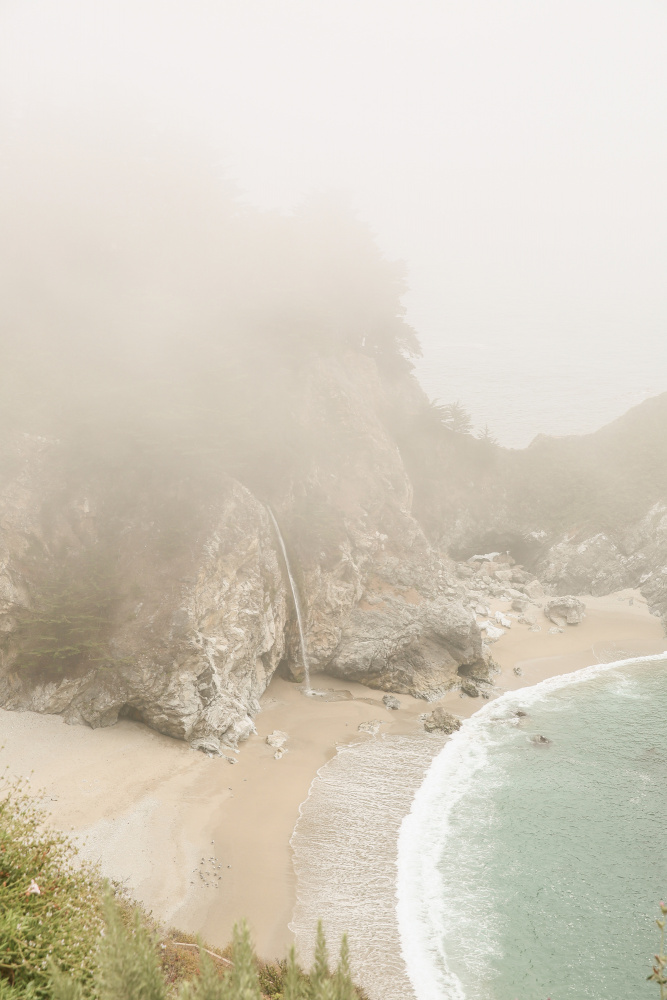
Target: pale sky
513,152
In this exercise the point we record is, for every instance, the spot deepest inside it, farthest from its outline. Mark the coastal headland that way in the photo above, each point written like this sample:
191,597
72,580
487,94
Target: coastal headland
202,841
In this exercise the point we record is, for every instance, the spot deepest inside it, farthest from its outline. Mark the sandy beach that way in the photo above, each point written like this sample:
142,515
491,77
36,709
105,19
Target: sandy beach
203,842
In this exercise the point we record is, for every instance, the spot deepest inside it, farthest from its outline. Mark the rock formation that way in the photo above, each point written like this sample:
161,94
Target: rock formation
440,721
566,610
190,597
200,615
188,654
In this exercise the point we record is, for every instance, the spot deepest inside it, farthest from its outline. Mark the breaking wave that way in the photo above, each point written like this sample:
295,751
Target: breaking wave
345,854
438,865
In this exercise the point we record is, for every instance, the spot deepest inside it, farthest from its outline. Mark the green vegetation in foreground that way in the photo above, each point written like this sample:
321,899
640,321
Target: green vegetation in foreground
659,972
66,935
59,923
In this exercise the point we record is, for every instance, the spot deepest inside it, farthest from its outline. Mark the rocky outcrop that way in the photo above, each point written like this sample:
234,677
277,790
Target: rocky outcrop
196,612
440,721
409,649
203,615
382,606
632,557
584,514
566,610
189,656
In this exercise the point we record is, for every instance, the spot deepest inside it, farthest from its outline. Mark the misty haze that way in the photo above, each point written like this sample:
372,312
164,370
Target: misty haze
333,463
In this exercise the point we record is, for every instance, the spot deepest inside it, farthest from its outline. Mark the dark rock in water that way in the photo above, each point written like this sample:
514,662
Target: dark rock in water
470,689
520,714
440,721
565,610
518,671
540,740
391,702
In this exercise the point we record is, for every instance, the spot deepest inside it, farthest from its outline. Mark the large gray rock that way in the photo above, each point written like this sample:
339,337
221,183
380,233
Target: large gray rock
635,557
565,610
192,656
197,636
407,648
380,606
440,721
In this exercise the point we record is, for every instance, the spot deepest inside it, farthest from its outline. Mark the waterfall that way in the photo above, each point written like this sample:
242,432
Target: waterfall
297,604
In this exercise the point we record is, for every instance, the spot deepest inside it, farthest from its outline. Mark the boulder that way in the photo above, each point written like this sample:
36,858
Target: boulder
503,620
390,702
440,721
565,610
277,739
406,648
491,632
470,689
191,659
372,727
535,590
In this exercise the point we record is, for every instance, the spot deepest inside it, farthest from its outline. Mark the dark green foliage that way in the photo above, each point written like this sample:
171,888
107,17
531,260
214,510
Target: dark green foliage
456,418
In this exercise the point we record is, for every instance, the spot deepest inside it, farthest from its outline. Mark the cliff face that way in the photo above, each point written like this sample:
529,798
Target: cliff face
634,556
381,608
584,514
190,637
182,361
165,597
190,611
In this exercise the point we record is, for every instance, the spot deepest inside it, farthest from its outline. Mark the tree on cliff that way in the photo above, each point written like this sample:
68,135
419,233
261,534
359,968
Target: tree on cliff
456,418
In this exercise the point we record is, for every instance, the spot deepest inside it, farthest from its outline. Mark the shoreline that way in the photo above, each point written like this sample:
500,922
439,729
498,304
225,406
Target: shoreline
150,808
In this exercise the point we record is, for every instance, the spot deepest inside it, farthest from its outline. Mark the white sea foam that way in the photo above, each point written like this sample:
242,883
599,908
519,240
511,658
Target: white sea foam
344,848
425,917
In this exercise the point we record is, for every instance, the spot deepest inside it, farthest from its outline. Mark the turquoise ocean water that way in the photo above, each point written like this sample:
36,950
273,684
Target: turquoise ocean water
532,870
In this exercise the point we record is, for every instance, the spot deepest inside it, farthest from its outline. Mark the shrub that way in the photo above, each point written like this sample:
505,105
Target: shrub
50,909
658,974
65,934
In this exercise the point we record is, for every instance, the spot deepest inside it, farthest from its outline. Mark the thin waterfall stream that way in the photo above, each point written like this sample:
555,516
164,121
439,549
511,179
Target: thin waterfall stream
297,604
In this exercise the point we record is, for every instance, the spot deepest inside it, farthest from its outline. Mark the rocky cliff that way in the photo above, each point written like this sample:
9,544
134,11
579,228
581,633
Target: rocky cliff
167,600
183,638
121,601
174,363
584,514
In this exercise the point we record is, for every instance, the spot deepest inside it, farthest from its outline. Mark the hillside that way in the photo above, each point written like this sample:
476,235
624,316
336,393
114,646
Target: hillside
165,396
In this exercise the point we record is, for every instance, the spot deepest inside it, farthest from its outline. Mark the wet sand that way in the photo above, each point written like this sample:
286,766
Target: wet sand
151,809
